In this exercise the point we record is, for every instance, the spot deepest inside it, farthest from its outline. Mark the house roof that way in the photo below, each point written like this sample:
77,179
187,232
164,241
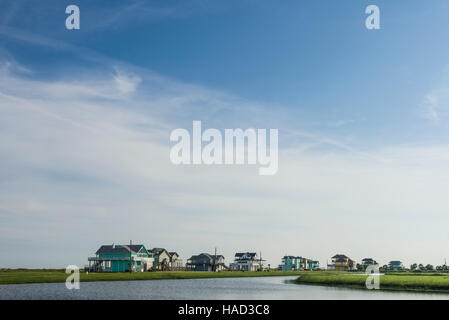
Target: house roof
341,256
241,254
119,248
395,262
173,253
159,250
210,256
302,259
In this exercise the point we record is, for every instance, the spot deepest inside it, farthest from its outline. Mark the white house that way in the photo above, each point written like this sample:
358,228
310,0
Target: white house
247,261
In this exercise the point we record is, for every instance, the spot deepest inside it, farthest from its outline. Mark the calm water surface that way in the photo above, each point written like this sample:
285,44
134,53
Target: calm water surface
223,288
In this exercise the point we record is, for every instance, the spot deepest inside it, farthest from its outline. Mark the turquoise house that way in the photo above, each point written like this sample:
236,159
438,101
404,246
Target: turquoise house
121,258
395,265
312,264
290,263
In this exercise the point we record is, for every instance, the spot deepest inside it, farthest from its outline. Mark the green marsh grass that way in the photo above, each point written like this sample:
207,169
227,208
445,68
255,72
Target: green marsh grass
48,276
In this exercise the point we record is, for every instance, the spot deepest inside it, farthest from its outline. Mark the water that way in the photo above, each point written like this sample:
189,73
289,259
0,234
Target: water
216,289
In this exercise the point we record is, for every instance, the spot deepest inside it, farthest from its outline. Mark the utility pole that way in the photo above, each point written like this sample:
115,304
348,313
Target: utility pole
215,260
130,256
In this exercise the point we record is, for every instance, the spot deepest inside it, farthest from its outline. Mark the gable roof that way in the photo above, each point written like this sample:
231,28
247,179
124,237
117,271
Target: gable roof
119,249
173,253
339,256
207,255
159,251
291,257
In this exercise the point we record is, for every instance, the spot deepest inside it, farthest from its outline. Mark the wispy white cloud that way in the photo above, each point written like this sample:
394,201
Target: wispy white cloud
139,11
432,106
126,83
87,165
341,123
114,14
435,104
10,12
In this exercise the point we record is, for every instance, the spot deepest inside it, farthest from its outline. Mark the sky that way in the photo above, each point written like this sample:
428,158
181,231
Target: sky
86,115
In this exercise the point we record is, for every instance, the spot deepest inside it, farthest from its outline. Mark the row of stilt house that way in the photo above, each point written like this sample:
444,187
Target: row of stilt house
138,258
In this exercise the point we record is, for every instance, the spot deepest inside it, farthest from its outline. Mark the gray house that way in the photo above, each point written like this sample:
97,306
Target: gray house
206,262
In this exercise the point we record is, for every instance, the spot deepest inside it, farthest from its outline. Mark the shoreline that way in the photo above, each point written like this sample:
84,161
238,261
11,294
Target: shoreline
421,283
41,276
387,289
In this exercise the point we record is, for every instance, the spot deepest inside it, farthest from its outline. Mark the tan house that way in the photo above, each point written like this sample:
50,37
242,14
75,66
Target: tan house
161,259
341,262
175,261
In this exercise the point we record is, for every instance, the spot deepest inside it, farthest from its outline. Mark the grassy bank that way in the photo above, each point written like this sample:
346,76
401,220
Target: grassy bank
47,276
410,282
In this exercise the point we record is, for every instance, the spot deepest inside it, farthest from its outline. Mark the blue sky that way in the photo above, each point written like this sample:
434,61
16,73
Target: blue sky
362,116
314,57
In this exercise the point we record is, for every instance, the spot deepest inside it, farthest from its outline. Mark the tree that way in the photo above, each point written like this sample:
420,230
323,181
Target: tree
413,267
351,264
429,267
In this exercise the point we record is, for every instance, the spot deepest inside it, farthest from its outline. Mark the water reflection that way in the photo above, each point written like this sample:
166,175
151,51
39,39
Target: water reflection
225,288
